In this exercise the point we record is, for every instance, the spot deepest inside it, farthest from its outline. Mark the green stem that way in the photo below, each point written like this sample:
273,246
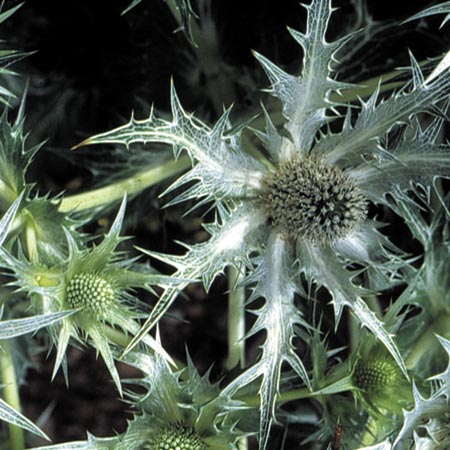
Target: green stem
344,384
132,185
117,336
368,437
294,394
236,327
236,320
11,393
6,193
428,340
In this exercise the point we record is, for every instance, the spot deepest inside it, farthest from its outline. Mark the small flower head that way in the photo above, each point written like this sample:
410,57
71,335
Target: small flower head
95,284
179,411
176,437
374,377
380,384
91,293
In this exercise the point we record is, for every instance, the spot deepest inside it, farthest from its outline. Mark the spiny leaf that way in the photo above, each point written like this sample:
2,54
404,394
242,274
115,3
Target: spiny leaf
277,317
10,415
7,219
378,117
227,245
306,97
441,8
17,327
222,168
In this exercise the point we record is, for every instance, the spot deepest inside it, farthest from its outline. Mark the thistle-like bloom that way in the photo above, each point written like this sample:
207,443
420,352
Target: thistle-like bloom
304,210
179,411
95,285
380,385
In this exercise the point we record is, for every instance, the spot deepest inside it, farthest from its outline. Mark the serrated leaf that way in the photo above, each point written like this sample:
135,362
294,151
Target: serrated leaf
17,327
10,415
278,318
6,220
377,117
305,98
441,8
222,168
204,261
436,405
368,318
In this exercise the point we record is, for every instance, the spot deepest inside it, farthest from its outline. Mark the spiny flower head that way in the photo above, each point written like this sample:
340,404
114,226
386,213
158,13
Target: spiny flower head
179,410
176,438
312,201
94,284
91,293
301,213
380,384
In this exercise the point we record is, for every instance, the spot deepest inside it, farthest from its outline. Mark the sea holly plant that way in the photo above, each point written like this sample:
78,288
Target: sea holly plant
299,218
339,314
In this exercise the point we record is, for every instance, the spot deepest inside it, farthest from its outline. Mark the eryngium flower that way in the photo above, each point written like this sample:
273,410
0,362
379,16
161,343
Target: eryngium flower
380,385
178,411
93,283
304,209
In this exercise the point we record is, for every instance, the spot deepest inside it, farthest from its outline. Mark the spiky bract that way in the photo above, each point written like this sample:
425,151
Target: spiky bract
178,411
92,283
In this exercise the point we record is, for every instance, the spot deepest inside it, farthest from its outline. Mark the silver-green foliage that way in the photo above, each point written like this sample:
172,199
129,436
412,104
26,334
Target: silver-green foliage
330,160
223,172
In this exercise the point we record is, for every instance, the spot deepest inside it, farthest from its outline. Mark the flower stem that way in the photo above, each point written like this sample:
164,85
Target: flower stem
236,327
236,320
294,394
11,393
368,437
131,185
344,384
116,336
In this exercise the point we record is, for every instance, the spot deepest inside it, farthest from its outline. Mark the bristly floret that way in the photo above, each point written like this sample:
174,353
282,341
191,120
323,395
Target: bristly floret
177,411
312,202
177,437
265,210
94,285
92,293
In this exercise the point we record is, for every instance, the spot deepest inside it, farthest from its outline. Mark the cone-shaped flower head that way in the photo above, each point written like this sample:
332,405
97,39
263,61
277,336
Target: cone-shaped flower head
95,284
380,385
178,411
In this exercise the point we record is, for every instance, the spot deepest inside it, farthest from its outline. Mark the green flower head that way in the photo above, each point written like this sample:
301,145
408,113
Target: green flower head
380,384
94,283
178,411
